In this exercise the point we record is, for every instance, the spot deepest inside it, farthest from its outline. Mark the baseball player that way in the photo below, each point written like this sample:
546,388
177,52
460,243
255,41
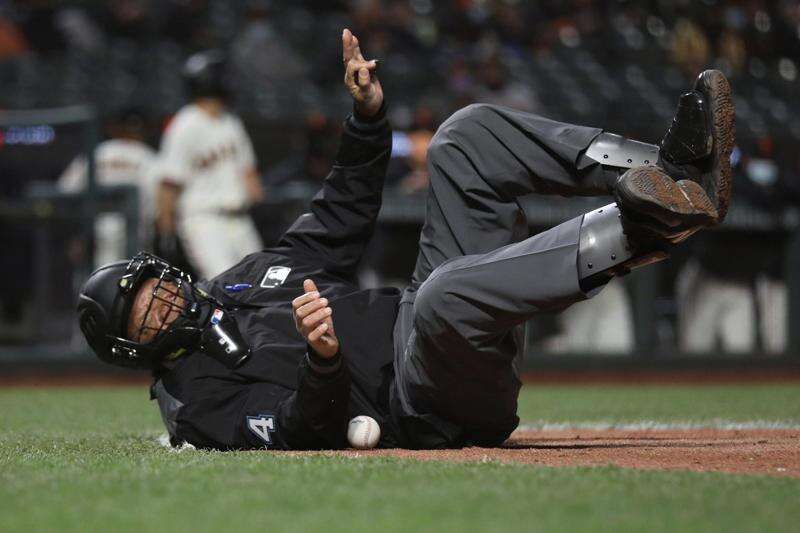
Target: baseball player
282,349
602,325
124,159
208,174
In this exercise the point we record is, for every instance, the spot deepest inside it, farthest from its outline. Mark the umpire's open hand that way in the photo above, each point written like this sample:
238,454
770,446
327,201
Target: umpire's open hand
314,320
360,78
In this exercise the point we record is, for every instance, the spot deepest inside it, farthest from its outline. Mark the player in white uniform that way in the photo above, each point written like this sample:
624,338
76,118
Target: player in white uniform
124,159
602,325
716,313
208,175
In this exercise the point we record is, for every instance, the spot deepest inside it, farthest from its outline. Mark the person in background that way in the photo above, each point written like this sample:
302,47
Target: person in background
208,176
123,159
602,325
739,304
498,86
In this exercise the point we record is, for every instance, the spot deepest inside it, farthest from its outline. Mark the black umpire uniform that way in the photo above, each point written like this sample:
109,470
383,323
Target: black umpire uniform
433,365
284,396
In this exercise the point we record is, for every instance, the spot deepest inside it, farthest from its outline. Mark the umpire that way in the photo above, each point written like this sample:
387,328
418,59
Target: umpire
282,349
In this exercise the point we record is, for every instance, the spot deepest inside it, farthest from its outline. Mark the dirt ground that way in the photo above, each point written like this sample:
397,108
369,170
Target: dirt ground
762,451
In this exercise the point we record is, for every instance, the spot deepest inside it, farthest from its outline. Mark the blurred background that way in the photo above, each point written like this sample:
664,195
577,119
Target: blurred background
90,90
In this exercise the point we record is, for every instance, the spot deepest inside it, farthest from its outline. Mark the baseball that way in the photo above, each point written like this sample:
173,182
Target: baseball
363,432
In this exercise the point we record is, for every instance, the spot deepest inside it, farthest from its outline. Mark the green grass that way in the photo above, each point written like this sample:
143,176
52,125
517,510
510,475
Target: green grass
86,460
774,402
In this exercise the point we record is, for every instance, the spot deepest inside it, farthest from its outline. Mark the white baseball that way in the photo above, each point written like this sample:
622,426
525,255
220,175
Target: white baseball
363,432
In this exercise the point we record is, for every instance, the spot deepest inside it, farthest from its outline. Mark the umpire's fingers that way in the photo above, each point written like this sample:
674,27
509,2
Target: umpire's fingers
347,45
317,333
305,310
357,49
303,299
358,73
316,317
350,69
363,77
309,285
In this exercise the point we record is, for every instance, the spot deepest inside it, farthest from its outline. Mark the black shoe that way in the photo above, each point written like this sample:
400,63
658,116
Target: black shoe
698,144
657,209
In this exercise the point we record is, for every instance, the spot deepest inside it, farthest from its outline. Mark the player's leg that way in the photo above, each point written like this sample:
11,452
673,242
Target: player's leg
480,161
738,322
455,371
699,309
772,301
457,362
238,237
484,157
243,237
603,324
205,240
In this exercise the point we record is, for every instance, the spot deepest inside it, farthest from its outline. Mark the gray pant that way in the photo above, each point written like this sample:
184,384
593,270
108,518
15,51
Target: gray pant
479,274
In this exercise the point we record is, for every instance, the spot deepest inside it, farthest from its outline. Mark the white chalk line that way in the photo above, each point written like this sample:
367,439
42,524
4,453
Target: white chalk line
644,425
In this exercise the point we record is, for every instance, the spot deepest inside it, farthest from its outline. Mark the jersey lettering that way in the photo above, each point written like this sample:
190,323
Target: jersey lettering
262,426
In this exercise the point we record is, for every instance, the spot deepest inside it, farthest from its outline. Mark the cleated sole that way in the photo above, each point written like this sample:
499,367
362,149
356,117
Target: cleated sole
651,192
698,198
717,91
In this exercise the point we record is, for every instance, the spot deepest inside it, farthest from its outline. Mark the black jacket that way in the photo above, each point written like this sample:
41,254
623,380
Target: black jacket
284,396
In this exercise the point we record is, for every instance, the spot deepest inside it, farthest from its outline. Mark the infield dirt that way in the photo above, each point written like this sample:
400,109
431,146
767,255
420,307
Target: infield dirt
763,451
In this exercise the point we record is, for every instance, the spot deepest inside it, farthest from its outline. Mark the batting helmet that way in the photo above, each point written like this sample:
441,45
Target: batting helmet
204,73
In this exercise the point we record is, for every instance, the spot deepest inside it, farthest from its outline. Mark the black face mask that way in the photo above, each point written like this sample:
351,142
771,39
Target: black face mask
204,324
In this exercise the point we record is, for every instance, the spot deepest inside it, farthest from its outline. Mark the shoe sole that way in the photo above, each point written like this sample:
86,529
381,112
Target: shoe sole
651,192
717,92
698,198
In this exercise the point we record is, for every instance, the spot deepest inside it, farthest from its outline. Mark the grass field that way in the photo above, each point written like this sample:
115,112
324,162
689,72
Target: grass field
88,460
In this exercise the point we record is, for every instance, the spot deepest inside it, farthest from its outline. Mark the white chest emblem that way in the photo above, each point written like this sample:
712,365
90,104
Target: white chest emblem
275,276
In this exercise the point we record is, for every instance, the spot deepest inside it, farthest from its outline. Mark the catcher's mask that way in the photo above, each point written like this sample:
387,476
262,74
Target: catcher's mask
202,322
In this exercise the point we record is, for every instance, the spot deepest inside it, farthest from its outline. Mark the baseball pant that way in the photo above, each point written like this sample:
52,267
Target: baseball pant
773,303
603,324
717,314
215,242
479,274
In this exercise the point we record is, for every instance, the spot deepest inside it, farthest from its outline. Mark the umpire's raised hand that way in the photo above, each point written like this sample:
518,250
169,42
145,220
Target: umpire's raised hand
360,78
314,320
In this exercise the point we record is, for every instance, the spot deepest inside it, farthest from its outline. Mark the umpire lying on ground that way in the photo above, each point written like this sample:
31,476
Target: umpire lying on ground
263,357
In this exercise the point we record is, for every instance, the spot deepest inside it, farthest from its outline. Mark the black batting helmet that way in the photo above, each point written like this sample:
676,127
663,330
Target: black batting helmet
205,74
